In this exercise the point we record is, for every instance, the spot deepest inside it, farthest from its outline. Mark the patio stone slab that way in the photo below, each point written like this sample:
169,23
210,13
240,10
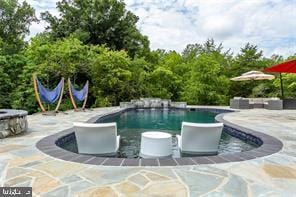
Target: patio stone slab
79,186
24,184
107,175
271,175
167,172
30,164
44,184
257,190
59,168
235,185
18,180
171,188
71,179
139,180
128,188
156,177
13,172
8,148
99,191
25,160
276,171
199,183
61,191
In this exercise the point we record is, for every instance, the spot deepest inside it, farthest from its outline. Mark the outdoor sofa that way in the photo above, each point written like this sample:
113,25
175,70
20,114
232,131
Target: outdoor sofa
249,103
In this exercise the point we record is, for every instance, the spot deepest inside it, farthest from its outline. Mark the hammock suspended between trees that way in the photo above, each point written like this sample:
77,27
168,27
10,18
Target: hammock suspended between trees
78,95
46,95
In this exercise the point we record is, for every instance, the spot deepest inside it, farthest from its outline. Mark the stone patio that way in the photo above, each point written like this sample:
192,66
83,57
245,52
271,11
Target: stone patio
22,164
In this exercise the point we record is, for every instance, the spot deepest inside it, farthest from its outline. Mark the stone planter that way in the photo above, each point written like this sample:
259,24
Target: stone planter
12,122
147,102
181,105
139,104
166,103
156,103
126,105
152,103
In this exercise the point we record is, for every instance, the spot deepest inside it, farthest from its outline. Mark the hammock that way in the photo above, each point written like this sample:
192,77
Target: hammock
46,95
49,96
78,95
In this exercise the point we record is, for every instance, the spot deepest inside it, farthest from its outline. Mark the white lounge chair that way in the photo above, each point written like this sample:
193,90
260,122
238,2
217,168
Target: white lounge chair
93,138
199,138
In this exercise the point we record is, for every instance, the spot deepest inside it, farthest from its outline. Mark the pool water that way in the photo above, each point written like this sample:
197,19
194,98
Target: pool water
131,124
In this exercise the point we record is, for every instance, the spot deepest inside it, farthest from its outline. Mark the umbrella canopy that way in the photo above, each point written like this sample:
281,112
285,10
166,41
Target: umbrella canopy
253,75
285,67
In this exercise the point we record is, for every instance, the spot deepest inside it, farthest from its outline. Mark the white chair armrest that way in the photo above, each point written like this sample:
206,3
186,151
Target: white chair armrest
179,138
117,142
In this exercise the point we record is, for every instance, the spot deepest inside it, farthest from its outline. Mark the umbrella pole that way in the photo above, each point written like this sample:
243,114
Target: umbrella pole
282,87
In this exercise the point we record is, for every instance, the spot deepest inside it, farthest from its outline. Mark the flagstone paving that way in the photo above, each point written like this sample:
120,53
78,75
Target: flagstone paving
22,164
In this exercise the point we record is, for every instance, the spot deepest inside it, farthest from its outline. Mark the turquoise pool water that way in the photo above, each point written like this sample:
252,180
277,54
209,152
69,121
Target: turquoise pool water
130,125
157,119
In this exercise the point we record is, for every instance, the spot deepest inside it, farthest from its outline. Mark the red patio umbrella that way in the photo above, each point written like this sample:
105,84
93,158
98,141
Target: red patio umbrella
285,67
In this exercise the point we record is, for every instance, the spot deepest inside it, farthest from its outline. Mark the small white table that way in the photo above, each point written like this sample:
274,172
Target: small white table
156,144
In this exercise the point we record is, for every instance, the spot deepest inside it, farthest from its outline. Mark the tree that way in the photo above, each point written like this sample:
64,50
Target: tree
50,61
163,83
5,84
249,58
206,85
15,19
98,22
209,46
111,75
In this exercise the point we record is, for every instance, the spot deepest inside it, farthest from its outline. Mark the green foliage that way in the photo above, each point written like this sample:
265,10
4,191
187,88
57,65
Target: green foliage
5,84
15,19
97,40
210,47
289,85
110,74
98,22
201,79
248,59
50,61
205,83
163,83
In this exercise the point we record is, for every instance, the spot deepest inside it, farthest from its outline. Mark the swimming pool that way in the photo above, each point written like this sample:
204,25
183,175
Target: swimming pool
132,123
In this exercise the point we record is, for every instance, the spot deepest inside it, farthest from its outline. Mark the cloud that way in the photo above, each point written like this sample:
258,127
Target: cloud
41,6
172,24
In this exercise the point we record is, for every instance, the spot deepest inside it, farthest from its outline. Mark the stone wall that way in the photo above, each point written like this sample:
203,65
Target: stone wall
12,122
152,103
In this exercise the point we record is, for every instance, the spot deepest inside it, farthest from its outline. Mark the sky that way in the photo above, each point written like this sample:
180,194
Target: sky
172,24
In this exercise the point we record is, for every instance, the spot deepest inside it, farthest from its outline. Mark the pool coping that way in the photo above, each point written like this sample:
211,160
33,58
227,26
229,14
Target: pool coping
268,145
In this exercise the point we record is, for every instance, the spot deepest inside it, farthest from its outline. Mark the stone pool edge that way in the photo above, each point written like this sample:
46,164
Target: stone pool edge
268,146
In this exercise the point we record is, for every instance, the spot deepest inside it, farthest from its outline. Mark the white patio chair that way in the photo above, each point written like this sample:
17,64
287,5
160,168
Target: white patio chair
94,138
200,138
